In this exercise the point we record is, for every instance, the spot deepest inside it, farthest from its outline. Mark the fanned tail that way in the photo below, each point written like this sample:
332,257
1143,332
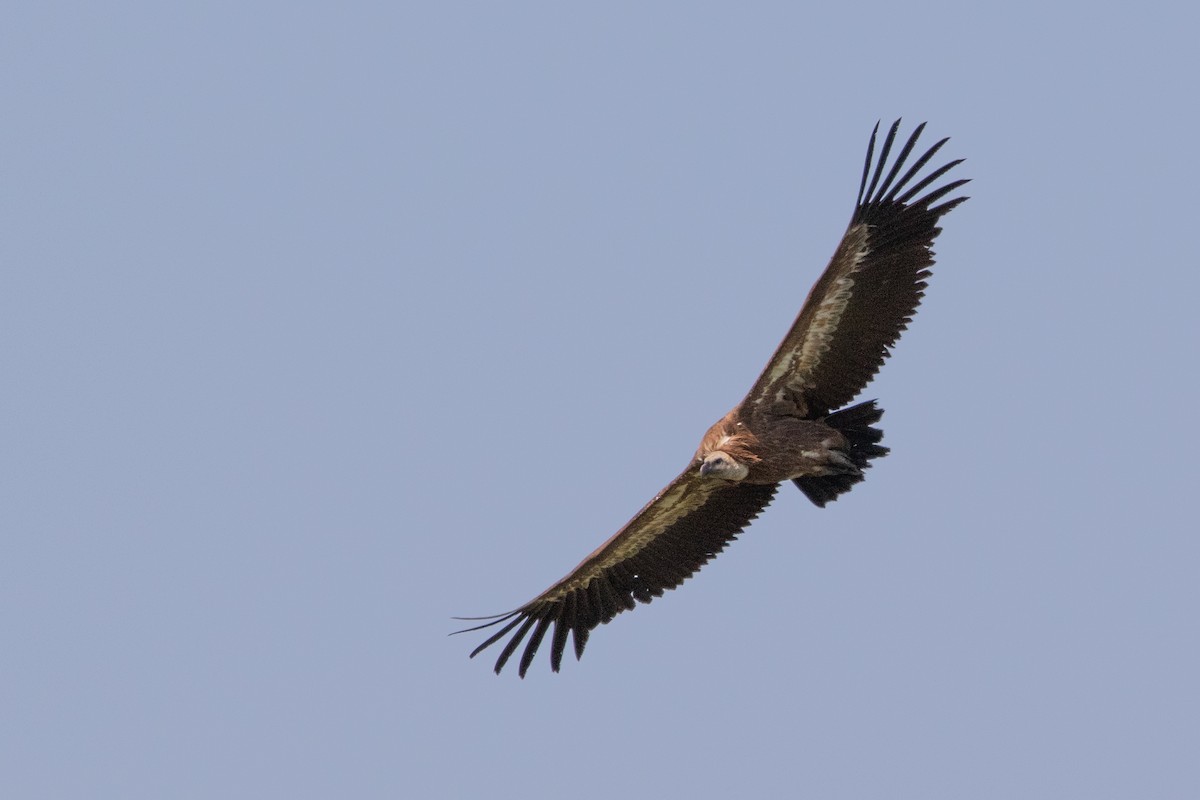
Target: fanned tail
855,424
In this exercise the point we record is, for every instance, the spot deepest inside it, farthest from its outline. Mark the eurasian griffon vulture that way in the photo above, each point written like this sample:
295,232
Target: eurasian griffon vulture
792,426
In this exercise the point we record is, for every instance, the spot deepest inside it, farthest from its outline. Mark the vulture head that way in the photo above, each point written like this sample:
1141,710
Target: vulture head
720,464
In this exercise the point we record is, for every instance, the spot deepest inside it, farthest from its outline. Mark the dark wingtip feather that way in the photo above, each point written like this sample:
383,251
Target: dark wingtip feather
579,638
496,619
901,157
495,637
947,206
563,623
916,167
558,644
884,152
895,190
928,179
862,186
514,642
535,641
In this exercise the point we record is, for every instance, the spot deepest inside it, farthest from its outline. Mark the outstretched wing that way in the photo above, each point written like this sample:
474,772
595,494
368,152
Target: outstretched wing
870,290
677,532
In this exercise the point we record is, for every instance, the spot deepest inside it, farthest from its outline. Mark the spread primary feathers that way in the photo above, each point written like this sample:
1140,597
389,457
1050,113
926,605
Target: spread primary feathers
788,428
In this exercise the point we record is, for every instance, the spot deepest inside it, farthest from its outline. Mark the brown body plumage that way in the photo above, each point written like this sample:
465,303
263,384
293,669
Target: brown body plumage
786,429
775,447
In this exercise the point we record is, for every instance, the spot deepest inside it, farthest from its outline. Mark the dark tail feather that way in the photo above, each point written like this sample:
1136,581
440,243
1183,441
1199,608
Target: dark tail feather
855,424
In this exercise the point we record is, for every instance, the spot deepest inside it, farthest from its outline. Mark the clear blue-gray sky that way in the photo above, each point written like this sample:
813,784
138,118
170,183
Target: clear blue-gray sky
321,324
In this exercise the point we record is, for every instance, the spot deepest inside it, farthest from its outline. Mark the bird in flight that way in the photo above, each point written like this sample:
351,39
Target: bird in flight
794,425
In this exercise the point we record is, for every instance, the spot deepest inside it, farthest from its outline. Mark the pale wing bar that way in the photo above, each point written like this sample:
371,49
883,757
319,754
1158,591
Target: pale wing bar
867,295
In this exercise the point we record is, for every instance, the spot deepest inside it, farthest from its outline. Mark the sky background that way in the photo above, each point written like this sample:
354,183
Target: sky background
321,324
